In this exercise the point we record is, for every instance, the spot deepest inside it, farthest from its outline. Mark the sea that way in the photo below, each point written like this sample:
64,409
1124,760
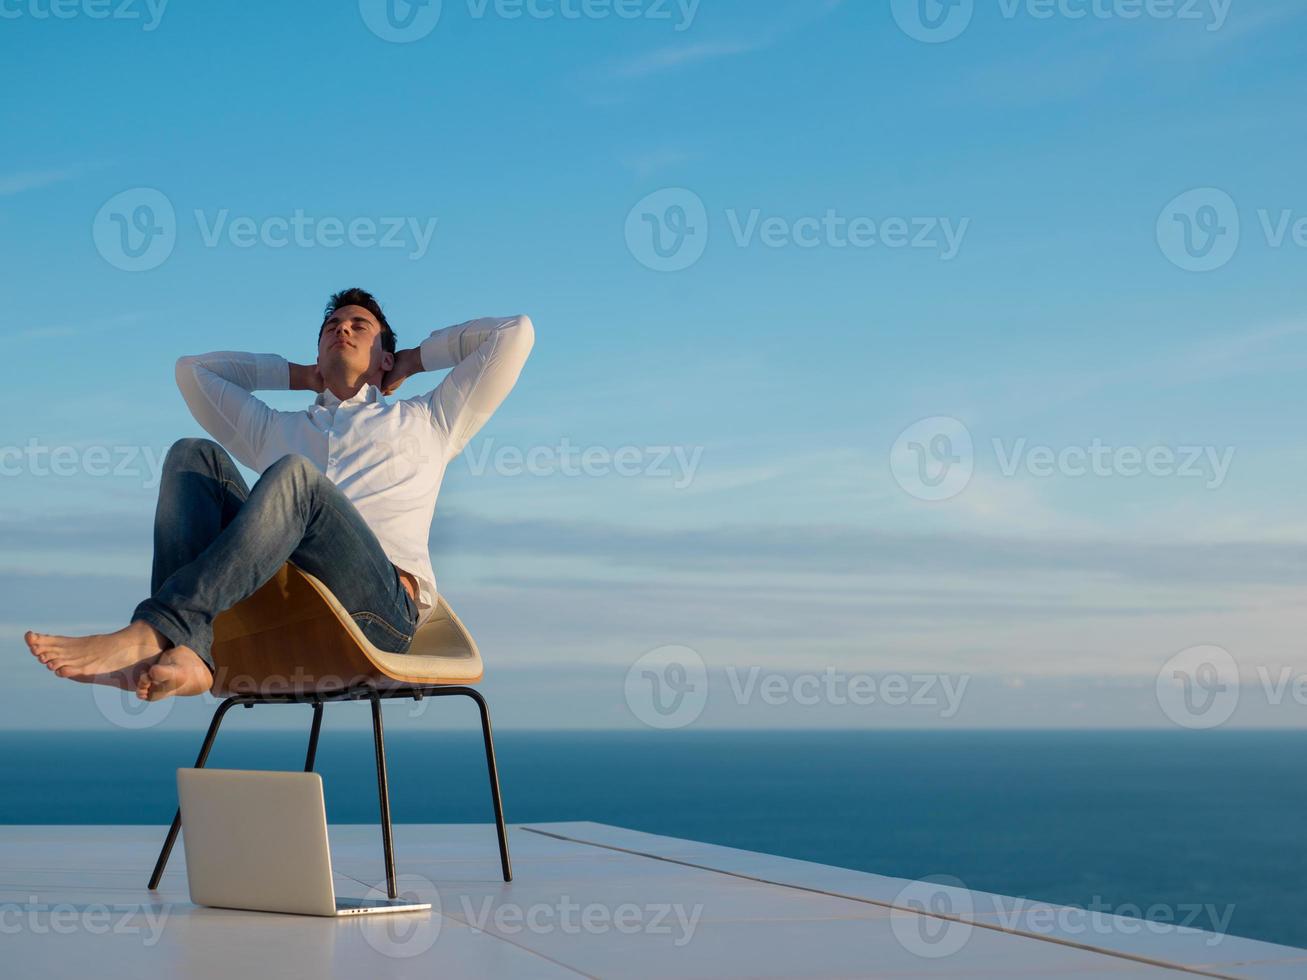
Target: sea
1203,827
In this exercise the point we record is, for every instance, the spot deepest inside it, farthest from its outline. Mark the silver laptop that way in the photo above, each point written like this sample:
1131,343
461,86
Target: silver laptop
258,841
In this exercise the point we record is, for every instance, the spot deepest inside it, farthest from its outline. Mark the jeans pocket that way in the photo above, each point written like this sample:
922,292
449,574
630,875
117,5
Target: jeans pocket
383,635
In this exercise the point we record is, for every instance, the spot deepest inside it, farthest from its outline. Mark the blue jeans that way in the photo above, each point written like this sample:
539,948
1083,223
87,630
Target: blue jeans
216,541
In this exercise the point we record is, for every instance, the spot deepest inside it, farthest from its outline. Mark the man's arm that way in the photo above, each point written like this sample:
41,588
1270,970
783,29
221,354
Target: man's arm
217,388
486,356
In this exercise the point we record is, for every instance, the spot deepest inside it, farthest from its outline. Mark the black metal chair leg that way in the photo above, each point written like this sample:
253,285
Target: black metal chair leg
171,839
314,732
379,740
383,792
489,739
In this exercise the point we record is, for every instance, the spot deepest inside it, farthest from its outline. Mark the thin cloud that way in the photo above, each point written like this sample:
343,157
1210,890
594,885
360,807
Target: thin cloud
31,180
678,56
650,162
56,330
845,550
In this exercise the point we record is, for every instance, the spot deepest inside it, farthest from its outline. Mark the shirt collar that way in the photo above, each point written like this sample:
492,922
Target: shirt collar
366,395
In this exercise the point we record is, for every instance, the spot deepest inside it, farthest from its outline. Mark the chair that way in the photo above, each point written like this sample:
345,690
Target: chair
260,650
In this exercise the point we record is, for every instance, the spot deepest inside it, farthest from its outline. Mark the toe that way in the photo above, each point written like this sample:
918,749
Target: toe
163,682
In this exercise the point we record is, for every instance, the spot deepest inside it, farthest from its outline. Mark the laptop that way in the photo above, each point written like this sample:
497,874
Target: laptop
258,841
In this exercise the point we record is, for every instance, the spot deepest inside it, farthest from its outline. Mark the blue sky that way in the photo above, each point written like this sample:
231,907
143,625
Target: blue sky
760,391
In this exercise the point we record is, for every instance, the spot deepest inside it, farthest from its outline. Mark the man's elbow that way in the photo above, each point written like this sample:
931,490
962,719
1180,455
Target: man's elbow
184,371
523,332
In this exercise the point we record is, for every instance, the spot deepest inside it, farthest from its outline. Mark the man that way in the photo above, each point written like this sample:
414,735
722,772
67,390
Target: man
347,490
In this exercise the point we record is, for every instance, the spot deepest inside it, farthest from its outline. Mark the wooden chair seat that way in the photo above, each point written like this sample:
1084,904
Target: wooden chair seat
292,636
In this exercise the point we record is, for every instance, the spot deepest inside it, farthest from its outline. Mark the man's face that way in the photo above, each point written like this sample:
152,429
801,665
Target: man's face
351,338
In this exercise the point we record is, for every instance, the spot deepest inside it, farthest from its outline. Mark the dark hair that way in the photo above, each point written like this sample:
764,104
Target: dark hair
363,298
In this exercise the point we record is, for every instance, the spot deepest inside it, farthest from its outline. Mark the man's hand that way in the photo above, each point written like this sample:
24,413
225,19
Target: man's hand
407,363
306,377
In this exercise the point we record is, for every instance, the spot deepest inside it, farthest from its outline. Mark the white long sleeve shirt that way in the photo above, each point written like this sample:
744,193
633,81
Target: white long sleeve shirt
387,457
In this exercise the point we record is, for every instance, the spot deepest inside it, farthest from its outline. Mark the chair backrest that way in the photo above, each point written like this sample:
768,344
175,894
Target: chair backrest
292,636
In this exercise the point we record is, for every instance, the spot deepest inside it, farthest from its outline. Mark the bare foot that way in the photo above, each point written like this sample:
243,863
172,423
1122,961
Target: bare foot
179,671
124,680
100,653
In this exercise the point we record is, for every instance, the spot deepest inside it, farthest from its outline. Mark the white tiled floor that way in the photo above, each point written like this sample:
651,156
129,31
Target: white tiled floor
587,900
